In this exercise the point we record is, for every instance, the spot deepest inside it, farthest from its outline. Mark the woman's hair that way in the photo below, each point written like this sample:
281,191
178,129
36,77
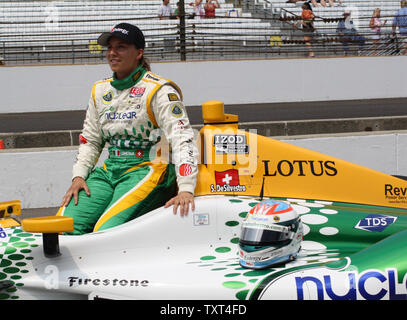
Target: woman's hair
375,12
307,4
145,63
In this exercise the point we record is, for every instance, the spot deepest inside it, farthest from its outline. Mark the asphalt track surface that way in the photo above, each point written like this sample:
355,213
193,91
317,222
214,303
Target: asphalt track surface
73,120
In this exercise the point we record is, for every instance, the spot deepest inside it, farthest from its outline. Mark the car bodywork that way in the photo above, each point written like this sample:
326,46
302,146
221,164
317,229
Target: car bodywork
355,225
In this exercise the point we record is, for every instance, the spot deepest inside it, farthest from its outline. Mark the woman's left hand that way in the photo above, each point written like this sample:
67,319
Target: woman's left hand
182,200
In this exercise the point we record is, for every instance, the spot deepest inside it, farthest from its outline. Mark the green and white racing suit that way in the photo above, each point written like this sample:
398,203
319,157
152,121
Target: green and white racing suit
131,115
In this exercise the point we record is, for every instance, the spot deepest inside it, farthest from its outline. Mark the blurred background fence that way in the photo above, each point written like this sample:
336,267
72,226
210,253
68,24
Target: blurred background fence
65,32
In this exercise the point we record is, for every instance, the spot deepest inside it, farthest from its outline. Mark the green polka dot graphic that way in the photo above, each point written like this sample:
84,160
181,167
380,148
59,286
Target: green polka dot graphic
230,267
326,225
15,251
327,229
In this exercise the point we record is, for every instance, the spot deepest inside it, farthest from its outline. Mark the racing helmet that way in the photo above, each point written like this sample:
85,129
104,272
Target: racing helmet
271,234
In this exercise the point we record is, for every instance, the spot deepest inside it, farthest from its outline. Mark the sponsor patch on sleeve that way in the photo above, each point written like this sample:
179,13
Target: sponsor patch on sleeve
176,110
173,97
82,140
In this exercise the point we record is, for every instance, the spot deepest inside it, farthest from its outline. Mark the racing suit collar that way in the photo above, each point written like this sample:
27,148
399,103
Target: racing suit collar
130,80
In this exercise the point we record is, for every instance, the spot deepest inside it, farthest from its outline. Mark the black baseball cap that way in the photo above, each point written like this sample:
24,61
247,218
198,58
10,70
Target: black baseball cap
125,31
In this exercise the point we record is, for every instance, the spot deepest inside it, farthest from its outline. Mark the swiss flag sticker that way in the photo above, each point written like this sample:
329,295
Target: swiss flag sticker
228,177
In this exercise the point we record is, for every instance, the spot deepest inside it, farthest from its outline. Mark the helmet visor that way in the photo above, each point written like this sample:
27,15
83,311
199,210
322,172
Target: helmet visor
263,237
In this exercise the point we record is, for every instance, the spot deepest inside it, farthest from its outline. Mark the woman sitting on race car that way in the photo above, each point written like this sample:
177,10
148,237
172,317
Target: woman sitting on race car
124,111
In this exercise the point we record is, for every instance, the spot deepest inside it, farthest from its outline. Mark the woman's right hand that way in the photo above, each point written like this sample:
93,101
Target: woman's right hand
77,185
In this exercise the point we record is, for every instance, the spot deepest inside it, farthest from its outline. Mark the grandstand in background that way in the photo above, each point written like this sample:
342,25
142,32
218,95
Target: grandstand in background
41,32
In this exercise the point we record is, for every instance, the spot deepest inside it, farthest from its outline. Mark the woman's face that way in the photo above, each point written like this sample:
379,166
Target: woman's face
123,57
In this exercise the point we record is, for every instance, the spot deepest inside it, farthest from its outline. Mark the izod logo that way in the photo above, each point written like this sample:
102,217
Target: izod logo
300,168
